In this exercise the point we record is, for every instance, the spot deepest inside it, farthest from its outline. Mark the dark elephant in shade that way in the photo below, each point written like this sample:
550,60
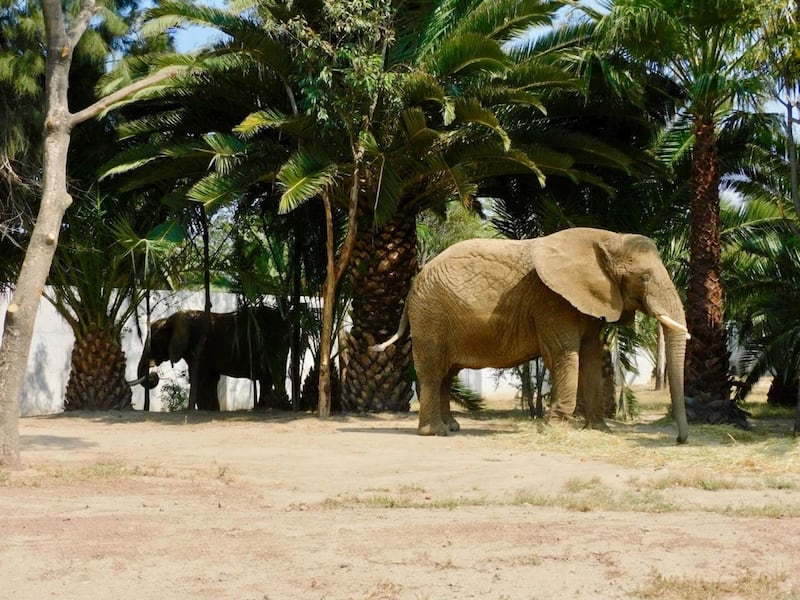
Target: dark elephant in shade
251,343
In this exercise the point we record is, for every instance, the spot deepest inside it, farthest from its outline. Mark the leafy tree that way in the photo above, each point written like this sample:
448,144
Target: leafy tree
62,35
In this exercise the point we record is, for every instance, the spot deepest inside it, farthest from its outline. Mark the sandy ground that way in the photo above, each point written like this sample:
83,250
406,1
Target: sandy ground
132,506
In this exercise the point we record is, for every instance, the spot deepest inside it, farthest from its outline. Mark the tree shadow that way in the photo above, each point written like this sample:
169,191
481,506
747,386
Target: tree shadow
49,442
121,417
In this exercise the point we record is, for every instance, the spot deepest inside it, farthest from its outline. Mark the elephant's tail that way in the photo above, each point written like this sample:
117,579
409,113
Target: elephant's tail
401,329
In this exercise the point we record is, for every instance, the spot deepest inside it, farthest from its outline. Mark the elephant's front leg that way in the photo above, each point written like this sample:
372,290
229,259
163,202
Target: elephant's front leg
560,345
591,377
564,392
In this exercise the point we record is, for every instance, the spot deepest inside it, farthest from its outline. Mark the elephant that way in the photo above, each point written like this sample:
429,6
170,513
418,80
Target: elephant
253,344
498,303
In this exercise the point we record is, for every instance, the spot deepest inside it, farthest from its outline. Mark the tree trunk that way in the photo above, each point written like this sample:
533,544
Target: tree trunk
21,312
708,386
294,314
334,271
384,264
97,374
797,415
526,389
203,354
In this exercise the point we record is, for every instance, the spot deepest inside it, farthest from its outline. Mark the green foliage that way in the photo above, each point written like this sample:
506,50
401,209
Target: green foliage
174,396
92,279
435,232
465,397
763,283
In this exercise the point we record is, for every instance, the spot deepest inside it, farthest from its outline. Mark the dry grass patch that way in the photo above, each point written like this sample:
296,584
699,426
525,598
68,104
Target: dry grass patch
716,457
700,479
746,586
102,471
593,495
386,590
383,501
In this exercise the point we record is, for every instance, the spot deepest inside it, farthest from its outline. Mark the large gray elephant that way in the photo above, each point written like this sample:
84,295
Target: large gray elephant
252,343
498,303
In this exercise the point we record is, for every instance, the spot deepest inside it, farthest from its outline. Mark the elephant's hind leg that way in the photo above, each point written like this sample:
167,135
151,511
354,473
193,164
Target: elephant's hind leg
430,408
444,402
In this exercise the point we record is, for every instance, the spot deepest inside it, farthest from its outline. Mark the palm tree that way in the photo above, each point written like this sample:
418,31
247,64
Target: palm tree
703,48
460,84
763,278
92,286
761,265
243,114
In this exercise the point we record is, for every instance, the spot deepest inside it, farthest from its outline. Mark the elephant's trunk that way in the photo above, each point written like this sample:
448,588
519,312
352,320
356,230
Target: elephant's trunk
665,304
147,379
676,354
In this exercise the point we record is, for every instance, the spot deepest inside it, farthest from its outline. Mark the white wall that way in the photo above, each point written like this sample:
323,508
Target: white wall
48,361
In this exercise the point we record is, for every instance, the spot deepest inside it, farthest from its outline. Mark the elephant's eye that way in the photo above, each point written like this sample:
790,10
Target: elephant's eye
646,277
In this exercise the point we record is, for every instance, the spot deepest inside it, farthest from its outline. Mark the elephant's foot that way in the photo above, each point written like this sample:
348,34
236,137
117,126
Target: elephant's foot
559,419
434,428
599,424
451,423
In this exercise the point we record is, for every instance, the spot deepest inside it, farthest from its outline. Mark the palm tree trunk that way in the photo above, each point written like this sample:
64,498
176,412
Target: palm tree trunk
708,385
384,264
97,373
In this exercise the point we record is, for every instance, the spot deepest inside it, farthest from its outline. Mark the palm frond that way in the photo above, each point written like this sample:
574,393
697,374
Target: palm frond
467,55
304,176
471,111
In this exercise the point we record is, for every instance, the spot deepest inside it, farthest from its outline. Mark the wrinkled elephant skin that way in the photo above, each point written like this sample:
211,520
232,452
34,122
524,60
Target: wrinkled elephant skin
498,303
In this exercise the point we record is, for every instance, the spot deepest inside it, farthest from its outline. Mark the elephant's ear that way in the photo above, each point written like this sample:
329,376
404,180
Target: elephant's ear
179,337
572,263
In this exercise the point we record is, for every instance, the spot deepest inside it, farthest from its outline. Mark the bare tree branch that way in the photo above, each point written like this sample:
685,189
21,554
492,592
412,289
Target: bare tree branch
88,10
105,103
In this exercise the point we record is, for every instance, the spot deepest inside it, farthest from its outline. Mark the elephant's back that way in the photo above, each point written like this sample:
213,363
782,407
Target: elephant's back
473,271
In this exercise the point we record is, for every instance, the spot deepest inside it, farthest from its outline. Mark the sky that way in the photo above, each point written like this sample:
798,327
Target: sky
189,39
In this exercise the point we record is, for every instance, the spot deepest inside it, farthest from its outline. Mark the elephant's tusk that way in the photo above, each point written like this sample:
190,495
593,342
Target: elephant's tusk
671,323
149,381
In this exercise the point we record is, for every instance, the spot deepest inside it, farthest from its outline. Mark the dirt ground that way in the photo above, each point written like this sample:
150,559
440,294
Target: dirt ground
275,506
